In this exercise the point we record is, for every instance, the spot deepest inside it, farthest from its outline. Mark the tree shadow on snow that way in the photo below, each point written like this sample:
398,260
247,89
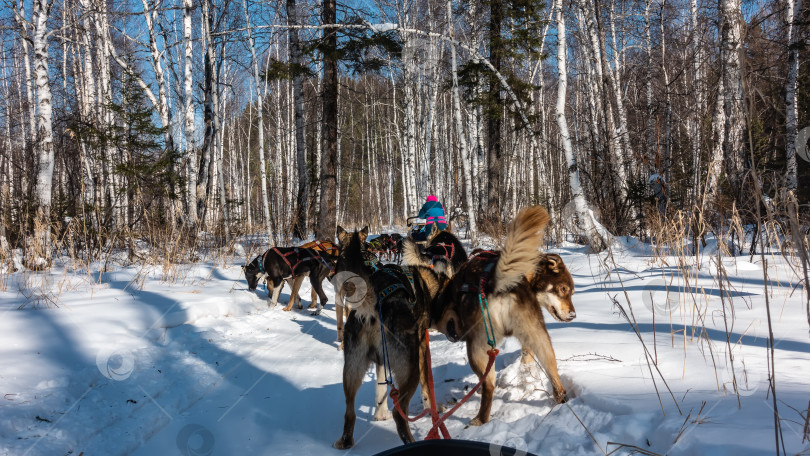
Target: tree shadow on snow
238,408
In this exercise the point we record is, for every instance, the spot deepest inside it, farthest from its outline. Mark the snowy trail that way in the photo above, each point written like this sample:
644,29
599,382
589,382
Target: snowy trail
200,365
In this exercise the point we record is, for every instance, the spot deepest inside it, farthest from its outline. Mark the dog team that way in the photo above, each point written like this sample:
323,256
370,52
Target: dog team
389,307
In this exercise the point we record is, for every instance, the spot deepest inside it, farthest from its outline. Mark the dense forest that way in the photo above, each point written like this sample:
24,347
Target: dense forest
160,121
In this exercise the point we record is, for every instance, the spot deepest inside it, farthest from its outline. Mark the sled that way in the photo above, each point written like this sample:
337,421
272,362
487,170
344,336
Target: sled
452,448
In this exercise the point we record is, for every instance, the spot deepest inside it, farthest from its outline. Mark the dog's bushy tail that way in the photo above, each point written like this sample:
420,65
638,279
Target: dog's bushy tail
411,255
519,256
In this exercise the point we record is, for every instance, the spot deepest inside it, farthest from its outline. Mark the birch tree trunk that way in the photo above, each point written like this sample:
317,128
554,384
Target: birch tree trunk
794,11
461,134
115,201
668,108
31,133
328,217
205,180
219,127
696,121
260,124
409,152
597,236
302,200
150,14
188,113
728,121
614,83
652,162
39,254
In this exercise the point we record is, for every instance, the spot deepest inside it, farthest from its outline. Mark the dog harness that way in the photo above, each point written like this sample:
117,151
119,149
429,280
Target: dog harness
482,255
261,262
481,289
317,245
448,252
298,258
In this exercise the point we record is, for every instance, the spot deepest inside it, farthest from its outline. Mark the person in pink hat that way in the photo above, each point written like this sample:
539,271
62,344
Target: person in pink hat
433,212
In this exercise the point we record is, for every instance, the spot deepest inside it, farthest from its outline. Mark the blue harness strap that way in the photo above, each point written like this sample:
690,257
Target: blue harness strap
389,379
409,275
261,262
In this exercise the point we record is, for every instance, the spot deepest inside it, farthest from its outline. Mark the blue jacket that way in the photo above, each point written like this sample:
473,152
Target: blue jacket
433,212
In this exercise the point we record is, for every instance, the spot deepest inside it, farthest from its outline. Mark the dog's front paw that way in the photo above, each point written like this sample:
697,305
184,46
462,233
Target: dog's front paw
344,443
560,396
313,305
287,309
382,415
476,421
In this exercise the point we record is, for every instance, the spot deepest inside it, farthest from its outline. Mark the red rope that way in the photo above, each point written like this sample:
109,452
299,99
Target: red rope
493,352
438,421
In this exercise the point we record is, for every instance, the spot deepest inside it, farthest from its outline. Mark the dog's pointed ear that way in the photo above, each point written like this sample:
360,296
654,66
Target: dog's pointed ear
434,230
551,263
363,234
342,235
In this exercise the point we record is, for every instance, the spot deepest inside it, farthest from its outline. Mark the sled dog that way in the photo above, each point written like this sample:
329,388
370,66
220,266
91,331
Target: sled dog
444,253
401,297
291,264
517,283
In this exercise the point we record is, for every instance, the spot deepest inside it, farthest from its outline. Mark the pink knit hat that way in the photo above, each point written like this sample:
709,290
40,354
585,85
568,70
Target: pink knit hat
432,198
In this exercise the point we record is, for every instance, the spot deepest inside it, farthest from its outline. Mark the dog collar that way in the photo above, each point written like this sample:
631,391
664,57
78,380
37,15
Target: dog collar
261,262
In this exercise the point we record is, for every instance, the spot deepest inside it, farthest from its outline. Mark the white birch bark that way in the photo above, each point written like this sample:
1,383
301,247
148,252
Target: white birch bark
219,125
115,200
150,15
461,133
597,236
651,148
793,13
615,85
409,153
668,107
696,120
188,114
31,132
728,121
205,181
39,255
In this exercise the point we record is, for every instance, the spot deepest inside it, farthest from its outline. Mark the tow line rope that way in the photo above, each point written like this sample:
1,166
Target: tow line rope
438,421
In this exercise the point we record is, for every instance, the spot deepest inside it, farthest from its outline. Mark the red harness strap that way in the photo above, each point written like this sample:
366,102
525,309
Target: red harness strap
438,421
324,249
297,258
444,246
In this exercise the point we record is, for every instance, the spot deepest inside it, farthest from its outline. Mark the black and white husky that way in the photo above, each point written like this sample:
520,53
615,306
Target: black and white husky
290,264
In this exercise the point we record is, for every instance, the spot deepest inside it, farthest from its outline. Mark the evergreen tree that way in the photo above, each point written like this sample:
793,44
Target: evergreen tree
514,33
146,164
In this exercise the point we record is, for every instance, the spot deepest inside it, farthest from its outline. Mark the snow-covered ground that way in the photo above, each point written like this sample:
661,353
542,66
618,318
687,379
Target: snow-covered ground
150,362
